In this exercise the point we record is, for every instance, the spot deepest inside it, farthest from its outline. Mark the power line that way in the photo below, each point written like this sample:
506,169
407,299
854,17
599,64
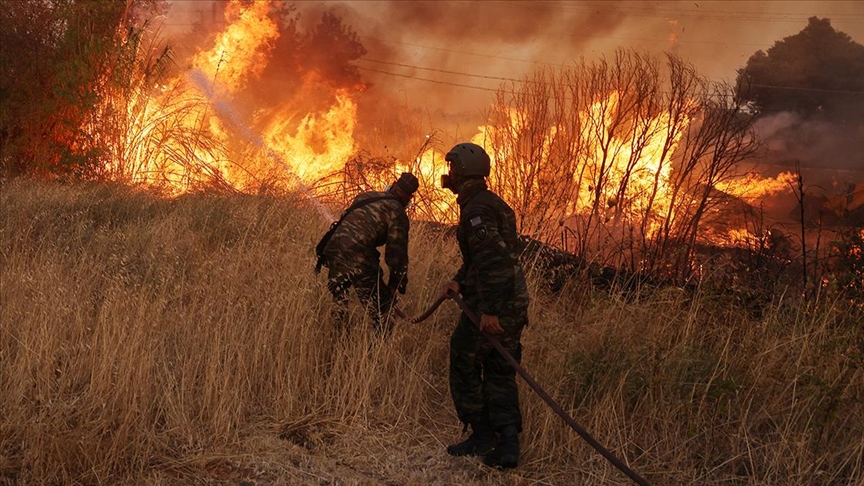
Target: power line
566,98
522,81
481,76
494,90
572,35
428,80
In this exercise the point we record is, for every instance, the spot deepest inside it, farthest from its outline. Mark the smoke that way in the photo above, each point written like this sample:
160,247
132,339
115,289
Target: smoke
826,153
428,43
501,22
442,58
822,144
436,64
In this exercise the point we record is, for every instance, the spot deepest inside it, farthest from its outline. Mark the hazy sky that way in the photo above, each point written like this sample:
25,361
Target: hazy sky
445,58
506,38
510,38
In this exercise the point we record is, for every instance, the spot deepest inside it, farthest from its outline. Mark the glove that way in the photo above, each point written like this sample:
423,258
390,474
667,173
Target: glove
398,282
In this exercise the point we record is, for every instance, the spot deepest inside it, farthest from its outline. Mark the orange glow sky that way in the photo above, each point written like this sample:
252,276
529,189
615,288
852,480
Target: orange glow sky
508,39
442,59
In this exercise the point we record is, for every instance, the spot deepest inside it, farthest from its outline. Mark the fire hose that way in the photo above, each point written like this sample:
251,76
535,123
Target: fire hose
528,379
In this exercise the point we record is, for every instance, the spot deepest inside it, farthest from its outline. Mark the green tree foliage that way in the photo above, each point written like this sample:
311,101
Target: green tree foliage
818,72
59,60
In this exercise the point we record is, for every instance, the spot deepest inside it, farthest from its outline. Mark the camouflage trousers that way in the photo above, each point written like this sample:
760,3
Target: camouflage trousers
482,382
372,292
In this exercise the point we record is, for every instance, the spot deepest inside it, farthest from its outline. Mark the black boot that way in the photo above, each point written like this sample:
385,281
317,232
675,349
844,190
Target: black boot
480,442
506,452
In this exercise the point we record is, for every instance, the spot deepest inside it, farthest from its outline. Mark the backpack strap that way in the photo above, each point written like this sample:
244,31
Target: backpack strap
360,204
322,245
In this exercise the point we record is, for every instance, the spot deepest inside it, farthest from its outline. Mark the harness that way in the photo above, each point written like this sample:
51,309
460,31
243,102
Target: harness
325,240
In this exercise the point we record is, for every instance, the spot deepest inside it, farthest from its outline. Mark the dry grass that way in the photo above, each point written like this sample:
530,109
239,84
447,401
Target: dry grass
184,341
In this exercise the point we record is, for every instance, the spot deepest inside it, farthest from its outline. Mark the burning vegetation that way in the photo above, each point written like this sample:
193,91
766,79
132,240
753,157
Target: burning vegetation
626,161
168,336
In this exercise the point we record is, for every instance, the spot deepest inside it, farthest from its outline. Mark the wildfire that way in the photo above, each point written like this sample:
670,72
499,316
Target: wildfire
630,174
193,131
752,187
187,134
321,142
241,51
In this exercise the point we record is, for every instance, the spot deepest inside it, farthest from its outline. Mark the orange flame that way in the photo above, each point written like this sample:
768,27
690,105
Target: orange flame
182,139
753,187
241,52
321,142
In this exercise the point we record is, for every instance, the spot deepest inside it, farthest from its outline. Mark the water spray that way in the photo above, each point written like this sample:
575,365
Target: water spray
224,109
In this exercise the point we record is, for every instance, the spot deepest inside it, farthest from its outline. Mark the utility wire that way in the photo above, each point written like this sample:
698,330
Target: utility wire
585,36
428,80
514,80
480,88
493,90
481,76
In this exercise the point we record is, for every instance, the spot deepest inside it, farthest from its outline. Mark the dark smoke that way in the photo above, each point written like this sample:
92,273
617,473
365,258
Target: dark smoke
825,144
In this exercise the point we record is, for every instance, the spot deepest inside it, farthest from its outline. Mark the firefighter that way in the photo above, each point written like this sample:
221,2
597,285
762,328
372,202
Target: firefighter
352,258
492,283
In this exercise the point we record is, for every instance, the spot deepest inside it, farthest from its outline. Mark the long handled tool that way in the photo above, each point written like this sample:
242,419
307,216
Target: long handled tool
532,383
422,317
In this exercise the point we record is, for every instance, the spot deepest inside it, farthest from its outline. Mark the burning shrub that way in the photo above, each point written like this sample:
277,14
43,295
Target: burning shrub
845,265
64,62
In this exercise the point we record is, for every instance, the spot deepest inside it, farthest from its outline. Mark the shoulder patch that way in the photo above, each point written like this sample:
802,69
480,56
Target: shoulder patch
475,221
481,232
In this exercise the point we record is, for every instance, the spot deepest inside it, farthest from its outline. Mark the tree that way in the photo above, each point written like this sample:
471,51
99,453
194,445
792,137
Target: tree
619,158
818,72
60,62
330,48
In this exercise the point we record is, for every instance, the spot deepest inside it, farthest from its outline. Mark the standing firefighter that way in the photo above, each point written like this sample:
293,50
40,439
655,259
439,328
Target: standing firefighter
482,382
350,252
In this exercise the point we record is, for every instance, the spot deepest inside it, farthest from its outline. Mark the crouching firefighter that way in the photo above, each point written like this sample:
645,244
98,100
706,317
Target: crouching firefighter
492,284
349,251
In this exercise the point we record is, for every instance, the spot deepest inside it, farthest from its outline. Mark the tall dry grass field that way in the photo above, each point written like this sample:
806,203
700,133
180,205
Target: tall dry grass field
185,341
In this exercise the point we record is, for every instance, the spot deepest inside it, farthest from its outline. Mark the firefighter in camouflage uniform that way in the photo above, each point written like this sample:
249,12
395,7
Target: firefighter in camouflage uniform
352,258
491,281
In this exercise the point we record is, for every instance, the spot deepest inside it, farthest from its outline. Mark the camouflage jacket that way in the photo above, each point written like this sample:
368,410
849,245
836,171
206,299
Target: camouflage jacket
491,277
353,247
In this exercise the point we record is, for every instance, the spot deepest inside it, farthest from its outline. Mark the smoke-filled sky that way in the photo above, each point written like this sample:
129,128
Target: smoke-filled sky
511,38
508,39
444,59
